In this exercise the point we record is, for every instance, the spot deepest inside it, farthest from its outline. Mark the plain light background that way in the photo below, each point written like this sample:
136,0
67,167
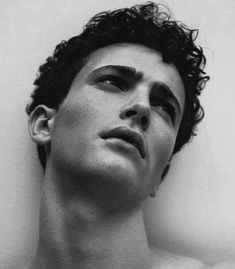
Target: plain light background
194,211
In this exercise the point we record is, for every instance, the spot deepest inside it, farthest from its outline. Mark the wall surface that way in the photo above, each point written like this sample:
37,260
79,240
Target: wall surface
193,213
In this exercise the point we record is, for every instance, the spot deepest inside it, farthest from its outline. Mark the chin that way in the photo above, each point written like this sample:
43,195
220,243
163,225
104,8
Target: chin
109,176
118,184
119,165
116,169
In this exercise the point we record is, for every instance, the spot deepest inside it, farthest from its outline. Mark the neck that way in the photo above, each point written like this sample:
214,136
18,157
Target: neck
76,233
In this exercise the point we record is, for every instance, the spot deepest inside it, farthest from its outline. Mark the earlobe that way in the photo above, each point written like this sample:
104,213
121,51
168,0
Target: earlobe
153,193
154,189
164,173
41,123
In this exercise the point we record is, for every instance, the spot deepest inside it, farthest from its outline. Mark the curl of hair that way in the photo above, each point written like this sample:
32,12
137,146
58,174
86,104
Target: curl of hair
141,24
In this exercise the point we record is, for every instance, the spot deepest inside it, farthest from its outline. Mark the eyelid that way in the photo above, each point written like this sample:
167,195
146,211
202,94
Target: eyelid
162,90
107,76
172,111
118,80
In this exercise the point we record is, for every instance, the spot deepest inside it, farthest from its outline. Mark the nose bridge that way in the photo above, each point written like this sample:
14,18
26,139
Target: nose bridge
138,107
140,97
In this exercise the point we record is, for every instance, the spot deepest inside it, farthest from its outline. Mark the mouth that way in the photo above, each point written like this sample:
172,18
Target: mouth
129,136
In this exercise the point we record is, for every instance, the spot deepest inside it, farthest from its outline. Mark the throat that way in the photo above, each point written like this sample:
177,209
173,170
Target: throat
78,235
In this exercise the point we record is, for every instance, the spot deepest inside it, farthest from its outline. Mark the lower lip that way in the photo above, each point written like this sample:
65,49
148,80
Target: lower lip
122,145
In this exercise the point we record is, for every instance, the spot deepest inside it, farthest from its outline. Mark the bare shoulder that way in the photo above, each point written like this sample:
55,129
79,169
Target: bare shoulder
166,260
221,265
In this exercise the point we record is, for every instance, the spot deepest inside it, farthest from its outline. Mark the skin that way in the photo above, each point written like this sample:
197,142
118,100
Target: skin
94,188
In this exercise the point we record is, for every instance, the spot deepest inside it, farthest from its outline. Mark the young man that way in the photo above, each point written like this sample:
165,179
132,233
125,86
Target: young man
110,108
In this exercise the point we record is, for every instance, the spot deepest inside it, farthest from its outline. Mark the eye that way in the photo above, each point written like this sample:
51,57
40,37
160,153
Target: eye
166,108
112,81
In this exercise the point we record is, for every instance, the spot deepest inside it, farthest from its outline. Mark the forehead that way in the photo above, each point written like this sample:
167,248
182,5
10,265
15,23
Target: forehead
145,60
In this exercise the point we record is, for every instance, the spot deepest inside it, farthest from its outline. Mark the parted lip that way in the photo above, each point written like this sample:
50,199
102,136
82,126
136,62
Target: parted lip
128,135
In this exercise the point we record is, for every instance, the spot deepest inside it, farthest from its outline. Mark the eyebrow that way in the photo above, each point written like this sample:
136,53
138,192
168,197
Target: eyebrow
126,71
163,90
131,73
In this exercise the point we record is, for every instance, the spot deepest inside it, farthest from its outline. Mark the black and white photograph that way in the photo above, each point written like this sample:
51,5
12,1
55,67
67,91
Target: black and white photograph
117,134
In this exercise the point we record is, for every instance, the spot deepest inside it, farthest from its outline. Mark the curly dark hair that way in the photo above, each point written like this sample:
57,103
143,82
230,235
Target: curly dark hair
143,24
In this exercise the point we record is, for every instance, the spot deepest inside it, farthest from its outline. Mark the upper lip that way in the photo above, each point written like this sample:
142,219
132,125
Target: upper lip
128,135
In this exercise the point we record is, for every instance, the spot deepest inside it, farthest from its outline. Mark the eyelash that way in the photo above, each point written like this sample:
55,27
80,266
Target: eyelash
120,84
167,107
115,81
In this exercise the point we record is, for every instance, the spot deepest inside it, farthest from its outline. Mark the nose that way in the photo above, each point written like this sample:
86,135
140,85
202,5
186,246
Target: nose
139,113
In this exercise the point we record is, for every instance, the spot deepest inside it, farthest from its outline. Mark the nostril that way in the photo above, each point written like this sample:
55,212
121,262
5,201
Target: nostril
144,122
130,113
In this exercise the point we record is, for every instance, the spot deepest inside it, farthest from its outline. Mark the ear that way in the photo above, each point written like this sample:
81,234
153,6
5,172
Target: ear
153,193
41,123
164,173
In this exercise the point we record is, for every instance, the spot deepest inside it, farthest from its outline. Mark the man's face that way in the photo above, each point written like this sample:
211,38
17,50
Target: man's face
117,127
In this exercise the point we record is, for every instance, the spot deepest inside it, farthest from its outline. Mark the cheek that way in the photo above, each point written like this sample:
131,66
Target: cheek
86,108
71,126
75,116
78,122
161,151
